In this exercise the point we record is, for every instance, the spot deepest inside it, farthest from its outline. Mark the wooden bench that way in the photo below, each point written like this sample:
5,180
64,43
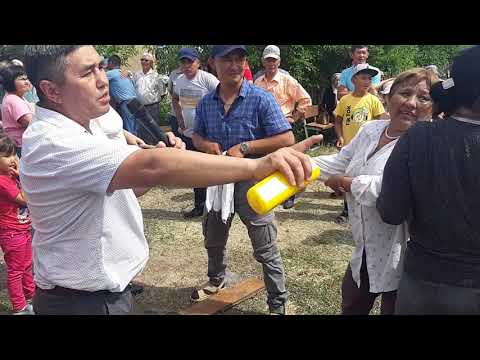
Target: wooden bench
311,121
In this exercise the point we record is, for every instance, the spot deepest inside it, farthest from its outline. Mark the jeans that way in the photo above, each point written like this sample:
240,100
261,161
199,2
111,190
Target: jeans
420,297
129,121
263,235
17,250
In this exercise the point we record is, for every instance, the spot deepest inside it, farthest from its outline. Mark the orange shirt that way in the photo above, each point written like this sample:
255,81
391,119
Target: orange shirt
287,91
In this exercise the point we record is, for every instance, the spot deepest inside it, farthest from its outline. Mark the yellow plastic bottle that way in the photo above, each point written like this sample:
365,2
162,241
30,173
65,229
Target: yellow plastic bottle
275,190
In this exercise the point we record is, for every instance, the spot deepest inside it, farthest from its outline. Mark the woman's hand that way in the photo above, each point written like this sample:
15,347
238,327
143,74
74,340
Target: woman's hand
339,184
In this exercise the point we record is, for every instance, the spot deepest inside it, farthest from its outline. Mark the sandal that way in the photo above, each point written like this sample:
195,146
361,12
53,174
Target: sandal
206,290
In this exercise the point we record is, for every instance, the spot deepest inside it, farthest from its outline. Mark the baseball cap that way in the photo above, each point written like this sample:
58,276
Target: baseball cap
271,51
365,69
222,50
188,53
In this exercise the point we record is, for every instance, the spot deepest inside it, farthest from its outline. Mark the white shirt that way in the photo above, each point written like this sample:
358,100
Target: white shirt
112,125
384,244
150,87
190,92
84,238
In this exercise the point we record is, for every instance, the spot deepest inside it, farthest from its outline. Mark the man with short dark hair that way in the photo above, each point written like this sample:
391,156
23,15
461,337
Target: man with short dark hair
122,92
81,187
245,122
188,89
359,55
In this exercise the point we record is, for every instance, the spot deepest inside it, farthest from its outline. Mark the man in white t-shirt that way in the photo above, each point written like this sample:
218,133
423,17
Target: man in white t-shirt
81,188
188,89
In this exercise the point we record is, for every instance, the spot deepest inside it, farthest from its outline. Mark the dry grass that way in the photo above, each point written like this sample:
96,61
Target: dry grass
314,249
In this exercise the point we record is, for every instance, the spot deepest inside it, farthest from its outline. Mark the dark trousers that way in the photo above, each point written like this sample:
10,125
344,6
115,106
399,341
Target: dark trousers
200,193
420,297
61,301
359,301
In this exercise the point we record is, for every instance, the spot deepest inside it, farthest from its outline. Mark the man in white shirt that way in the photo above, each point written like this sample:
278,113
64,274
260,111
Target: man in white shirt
81,188
150,89
188,89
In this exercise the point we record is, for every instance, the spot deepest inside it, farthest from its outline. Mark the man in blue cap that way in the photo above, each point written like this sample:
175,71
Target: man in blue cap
188,89
246,122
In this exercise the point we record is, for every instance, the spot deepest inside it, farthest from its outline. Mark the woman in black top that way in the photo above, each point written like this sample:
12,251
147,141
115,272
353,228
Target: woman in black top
432,179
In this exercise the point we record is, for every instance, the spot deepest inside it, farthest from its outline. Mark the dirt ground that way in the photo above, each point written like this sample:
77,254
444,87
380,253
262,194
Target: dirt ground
314,249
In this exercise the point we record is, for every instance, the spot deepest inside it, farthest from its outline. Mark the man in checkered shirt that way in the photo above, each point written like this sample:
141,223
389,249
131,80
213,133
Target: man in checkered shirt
246,122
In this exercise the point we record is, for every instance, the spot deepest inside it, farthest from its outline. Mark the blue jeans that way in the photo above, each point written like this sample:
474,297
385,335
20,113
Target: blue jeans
129,121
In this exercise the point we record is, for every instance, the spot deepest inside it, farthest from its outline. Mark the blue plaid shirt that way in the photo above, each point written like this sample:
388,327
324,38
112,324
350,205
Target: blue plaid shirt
254,115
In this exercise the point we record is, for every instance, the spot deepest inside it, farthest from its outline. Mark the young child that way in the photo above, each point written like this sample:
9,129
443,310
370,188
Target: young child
15,232
354,109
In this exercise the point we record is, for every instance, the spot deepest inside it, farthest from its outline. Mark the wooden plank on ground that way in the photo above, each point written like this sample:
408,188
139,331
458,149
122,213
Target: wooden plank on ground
226,298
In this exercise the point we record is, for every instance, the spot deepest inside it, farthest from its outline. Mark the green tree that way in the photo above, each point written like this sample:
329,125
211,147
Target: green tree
124,51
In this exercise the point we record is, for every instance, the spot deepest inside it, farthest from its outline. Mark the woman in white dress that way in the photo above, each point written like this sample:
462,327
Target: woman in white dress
377,261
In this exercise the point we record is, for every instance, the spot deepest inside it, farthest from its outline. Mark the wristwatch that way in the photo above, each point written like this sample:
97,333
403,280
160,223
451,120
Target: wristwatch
244,148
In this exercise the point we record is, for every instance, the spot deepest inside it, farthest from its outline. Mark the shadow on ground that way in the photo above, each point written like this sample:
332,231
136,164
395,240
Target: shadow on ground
329,237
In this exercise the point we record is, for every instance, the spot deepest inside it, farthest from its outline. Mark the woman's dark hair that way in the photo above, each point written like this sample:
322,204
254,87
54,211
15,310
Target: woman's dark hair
7,146
9,74
465,88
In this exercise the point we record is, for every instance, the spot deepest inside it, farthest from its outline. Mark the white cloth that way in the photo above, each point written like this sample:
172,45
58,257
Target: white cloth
150,87
384,244
112,125
85,238
221,198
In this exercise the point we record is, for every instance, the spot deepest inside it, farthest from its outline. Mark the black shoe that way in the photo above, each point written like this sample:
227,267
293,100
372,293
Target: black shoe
196,212
289,203
136,289
342,218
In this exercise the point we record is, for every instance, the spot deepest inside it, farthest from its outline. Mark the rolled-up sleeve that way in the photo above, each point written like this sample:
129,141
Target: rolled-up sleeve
395,200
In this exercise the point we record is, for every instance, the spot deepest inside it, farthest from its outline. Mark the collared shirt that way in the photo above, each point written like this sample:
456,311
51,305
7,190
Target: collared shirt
111,124
121,89
346,78
253,115
384,244
85,238
287,91
150,86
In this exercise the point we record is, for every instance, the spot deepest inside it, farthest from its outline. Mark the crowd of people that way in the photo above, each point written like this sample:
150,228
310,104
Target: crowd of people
74,158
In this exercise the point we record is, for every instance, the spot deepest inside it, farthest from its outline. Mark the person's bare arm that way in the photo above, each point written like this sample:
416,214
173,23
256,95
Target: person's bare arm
205,145
342,91
187,169
21,199
178,111
339,131
25,120
264,146
132,139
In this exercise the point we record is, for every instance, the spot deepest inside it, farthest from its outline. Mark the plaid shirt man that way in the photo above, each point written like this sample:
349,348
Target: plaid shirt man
254,115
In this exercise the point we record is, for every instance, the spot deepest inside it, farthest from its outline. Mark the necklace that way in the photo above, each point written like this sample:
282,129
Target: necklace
390,137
